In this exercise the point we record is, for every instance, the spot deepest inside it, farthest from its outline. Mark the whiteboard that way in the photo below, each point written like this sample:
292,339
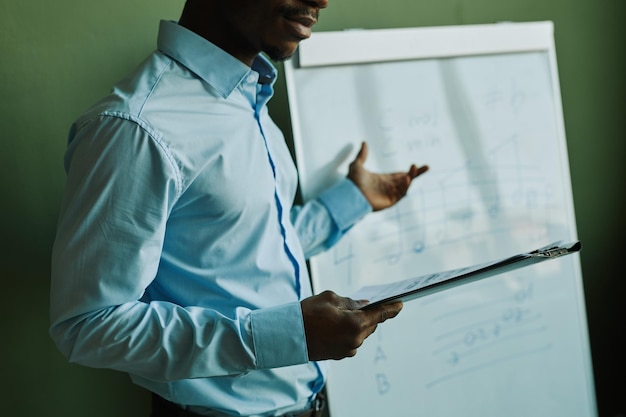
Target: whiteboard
481,106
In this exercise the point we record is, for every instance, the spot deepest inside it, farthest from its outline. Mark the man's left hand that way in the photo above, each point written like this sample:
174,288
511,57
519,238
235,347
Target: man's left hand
381,190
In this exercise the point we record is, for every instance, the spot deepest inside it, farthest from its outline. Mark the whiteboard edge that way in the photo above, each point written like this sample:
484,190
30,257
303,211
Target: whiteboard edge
379,45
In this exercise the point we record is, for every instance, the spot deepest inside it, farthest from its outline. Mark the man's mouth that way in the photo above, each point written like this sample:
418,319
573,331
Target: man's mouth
307,20
301,21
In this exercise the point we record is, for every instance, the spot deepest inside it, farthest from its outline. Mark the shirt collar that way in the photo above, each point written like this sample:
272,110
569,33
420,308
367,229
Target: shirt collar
215,66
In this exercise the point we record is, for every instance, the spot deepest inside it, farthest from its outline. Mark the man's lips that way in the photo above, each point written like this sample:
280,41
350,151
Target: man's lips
301,24
305,20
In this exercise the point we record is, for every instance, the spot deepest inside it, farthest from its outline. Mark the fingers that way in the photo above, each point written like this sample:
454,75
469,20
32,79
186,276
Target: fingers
376,316
335,327
422,169
387,311
416,171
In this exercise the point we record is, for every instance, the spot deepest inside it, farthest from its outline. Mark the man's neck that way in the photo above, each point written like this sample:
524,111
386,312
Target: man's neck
204,19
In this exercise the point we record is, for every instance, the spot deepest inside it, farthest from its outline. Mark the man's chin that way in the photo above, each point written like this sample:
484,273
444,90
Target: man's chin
281,58
280,54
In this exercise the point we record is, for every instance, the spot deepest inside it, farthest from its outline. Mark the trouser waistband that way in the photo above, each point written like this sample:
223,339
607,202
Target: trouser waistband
164,408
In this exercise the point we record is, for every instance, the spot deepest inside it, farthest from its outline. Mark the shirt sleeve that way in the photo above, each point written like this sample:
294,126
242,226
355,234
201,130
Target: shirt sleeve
321,222
122,184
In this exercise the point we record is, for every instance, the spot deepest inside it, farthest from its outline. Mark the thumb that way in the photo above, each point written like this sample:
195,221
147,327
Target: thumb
362,155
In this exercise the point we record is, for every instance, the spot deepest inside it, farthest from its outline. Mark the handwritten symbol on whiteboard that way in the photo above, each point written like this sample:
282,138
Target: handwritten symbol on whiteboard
418,246
383,384
380,355
454,358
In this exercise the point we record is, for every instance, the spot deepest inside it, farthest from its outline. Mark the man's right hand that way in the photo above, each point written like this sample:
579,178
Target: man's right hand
335,327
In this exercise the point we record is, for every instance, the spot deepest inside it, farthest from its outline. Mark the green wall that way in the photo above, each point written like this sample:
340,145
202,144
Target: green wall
57,57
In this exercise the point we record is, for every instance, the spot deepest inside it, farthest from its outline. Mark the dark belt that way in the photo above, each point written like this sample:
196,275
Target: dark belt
164,408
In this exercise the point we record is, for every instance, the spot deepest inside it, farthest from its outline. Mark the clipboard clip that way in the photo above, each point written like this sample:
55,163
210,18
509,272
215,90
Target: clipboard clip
556,249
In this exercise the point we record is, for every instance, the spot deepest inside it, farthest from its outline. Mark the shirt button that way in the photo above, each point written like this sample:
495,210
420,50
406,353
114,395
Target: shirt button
252,79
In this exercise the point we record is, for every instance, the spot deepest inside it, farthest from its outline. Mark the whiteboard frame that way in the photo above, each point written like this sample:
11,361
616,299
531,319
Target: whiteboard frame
386,45
381,45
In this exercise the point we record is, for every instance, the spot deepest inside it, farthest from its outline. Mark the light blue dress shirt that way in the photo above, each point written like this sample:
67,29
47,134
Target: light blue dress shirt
179,258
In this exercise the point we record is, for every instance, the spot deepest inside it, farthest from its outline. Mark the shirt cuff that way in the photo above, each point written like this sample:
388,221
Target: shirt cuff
279,337
345,203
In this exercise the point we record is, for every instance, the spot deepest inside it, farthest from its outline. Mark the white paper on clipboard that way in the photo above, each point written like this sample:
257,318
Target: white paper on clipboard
412,288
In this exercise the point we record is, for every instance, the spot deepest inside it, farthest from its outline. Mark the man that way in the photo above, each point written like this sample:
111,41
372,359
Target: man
179,258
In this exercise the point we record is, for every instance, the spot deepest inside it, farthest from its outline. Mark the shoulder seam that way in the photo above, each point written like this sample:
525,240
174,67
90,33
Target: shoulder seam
156,138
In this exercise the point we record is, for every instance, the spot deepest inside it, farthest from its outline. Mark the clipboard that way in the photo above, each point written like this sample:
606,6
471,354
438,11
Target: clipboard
432,283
